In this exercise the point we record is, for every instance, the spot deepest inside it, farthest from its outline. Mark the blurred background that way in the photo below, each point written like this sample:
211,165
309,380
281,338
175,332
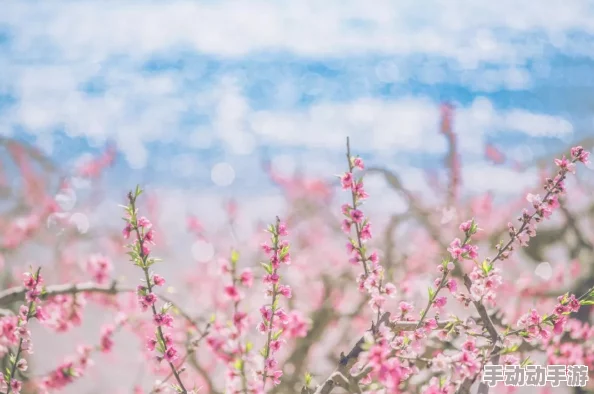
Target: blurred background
229,113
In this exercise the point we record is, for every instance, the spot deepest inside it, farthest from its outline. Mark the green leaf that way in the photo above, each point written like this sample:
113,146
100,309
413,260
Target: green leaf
486,267
307,379
277,335
267,267
511,349
587,302
527,361
238,365
234,257
248,346
431,293
564,299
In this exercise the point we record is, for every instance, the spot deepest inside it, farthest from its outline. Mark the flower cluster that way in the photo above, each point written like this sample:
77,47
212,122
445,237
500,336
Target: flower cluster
32,282
485,281
99,267
543,206
274,316
140,229
75,367
371,280
533,326
402,348
228,340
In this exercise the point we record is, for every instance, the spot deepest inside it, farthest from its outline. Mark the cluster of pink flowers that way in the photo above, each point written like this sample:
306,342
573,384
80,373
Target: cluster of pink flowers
533,326
543,206
371,280
64,311
485,281
274,316
20,332
140,228
67,372
228,341
386,358
99,267
73,368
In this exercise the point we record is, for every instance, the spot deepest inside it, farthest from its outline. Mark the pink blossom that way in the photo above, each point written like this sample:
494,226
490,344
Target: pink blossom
405,307
163,319
158,280
356,215
144,222
151,343
247,278
347,180
233,293
580,154
440,302
284,291
171,354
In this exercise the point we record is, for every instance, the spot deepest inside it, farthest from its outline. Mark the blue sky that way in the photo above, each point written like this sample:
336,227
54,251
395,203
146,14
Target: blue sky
182,86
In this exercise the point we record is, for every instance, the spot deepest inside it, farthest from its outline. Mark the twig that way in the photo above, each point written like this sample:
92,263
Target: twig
16,293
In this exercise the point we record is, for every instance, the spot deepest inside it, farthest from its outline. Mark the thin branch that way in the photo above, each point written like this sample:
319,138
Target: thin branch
14,294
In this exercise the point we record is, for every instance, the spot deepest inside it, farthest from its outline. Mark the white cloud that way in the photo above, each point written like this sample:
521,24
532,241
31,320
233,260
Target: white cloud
143,109
468,32
537,125
137,110
83,35
230,116
372,124
404,125
481,177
